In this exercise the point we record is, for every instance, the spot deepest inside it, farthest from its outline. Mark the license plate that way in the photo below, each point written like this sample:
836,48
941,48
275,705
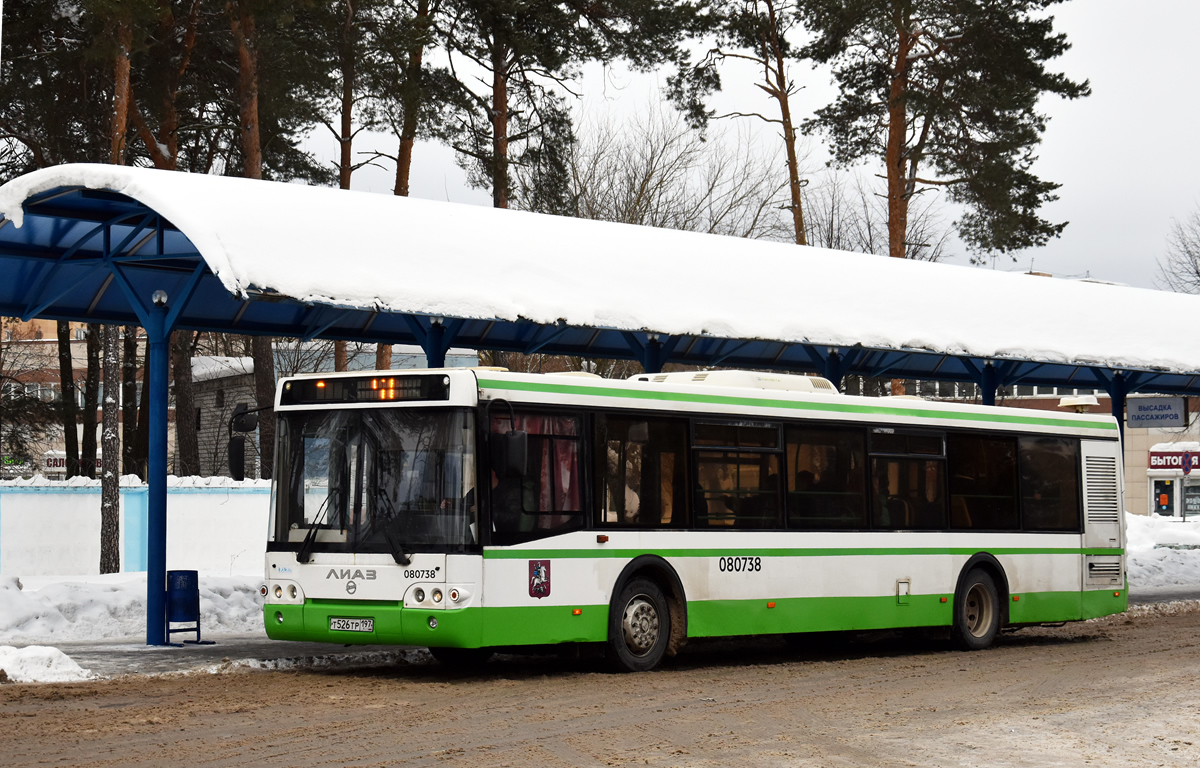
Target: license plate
352,625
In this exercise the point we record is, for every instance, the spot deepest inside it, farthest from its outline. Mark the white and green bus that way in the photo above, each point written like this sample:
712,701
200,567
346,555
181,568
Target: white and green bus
469,510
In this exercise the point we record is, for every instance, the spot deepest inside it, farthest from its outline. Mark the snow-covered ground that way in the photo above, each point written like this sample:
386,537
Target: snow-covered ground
45,610
1162,551
49,610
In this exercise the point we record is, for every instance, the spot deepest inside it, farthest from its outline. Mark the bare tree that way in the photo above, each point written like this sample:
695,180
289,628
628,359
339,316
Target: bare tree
658,172
28,417
846,214
1180,269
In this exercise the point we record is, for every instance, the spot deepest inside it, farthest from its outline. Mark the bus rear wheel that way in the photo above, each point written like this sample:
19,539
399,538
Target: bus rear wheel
976,612
639,627
462,658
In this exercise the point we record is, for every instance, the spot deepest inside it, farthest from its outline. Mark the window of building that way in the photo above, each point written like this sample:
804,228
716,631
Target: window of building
1049,469
826,475
220,397
737,475
983,482
908,480
642,470
80,333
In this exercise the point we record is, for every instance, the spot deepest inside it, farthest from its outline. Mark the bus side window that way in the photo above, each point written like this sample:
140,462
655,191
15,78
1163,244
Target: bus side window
983,482
738,486
908,482
548,498
826,478
1049,468
641,470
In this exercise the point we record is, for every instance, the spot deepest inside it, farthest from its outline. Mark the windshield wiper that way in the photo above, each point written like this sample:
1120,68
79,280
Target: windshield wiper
303,554
397,548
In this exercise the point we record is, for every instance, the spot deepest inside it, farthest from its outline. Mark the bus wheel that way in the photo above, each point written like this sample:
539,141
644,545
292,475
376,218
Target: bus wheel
639,627
462,658
976,612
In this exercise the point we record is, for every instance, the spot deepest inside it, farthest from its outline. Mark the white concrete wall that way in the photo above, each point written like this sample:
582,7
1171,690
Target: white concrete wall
54,529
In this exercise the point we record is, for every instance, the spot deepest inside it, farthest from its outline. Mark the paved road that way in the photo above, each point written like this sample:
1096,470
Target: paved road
1117,692
130,655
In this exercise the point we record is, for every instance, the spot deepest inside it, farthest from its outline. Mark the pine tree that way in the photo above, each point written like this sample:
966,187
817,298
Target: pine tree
754,31
531,52
945,92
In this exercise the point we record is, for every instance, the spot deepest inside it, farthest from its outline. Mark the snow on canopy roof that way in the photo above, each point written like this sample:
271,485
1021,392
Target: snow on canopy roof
409,255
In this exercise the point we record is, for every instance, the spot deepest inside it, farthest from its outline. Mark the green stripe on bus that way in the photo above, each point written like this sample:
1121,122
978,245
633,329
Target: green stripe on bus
882,410
629,554
550,624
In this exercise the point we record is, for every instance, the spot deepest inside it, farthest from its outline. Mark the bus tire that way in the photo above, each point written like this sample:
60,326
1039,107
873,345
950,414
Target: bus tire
462,658
976,611
639,627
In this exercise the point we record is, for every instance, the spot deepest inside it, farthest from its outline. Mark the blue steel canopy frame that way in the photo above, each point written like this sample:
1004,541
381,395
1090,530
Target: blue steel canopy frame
101,257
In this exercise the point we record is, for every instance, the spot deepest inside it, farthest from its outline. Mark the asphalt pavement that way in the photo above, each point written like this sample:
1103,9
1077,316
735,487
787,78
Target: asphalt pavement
130,655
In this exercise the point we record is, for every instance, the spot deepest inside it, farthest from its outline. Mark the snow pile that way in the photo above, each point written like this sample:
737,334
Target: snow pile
97,607
1162,551
39,664
512,265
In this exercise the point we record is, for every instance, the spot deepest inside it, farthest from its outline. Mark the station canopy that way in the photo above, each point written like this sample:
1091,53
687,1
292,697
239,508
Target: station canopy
284,259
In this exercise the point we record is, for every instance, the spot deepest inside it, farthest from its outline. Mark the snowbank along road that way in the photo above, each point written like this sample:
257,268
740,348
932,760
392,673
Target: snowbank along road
1120,691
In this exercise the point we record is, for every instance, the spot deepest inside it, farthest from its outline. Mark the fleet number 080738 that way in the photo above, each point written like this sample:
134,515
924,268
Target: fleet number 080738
739,564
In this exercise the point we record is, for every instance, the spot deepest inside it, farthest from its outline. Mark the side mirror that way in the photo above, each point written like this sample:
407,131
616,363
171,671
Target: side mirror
242,421
514,453
237,457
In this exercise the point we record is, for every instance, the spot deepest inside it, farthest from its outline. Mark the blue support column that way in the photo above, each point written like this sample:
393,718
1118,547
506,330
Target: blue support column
157,335
834,368
1118,388
652,355
434,346
989,381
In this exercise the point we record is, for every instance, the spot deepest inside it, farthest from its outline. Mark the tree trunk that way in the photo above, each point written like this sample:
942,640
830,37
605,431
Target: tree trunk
264,392
110,462
339,355
91,403
410,102
110,447
187,447
346,54
129,406
499,126
789,130
241,23
120,115
66,376
383,357
897,137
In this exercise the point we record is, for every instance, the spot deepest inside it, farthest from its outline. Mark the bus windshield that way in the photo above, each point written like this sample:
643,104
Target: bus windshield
375,480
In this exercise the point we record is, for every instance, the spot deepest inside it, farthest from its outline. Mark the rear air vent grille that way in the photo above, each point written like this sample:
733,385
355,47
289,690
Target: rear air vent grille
1100,479
1104,570
700,376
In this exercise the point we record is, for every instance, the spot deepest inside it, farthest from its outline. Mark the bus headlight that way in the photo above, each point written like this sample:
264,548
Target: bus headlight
278,591
292,591
419,595
437,595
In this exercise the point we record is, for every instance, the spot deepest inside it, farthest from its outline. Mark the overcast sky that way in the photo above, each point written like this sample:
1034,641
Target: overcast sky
1127,156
